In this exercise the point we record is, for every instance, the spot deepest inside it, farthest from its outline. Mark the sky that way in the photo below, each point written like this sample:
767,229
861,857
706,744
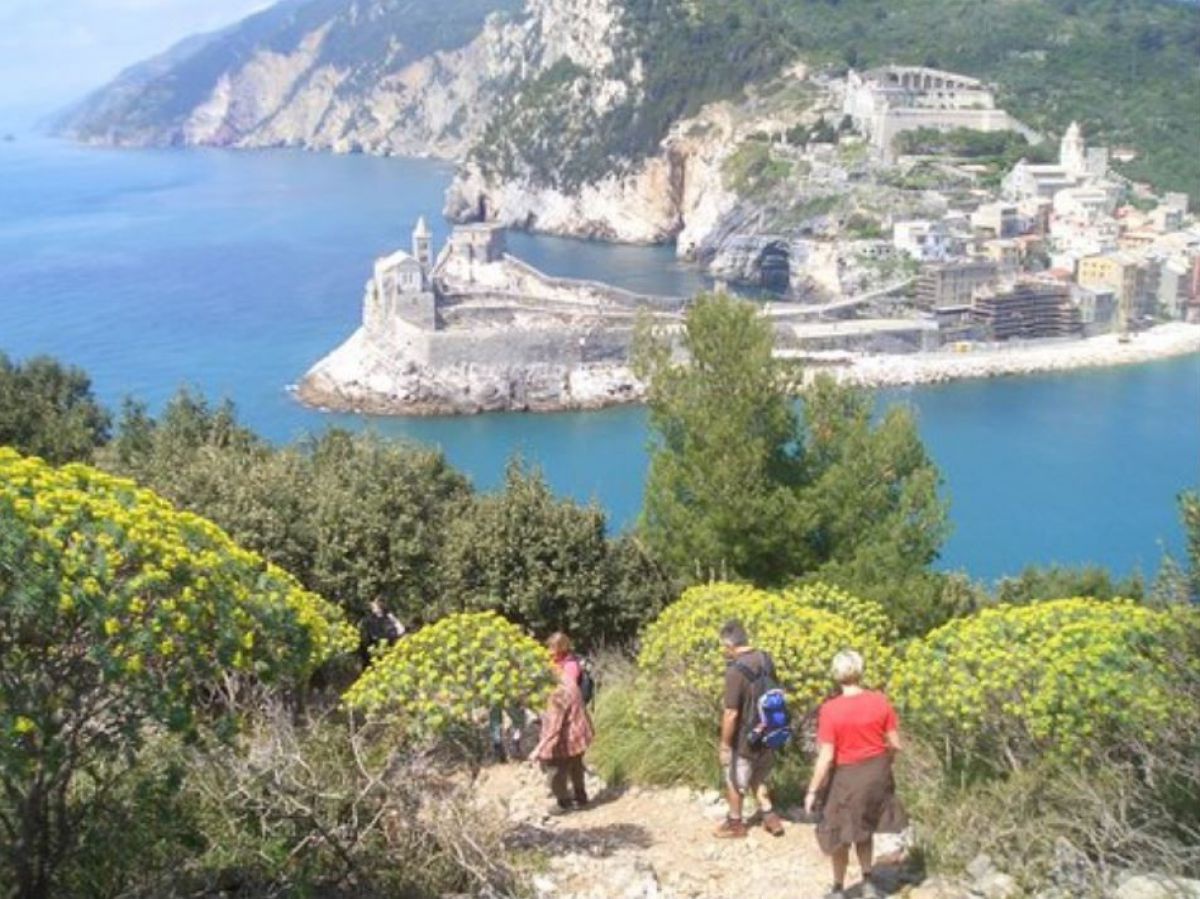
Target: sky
54,51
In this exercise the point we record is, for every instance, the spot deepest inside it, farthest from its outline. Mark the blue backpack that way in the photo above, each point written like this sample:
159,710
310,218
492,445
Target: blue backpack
767,723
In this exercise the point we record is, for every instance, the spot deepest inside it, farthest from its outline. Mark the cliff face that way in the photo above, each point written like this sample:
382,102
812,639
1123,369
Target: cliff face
380,76
403,77
560,111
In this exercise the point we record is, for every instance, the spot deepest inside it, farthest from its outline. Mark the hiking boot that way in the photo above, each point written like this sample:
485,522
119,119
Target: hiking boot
773,824
730,829
561,807
835,892
580,803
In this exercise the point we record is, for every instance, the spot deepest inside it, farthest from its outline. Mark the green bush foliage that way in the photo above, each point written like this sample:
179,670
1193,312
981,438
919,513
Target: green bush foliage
353,517
643,739
1065,679
119,613
545,563
357,518
801,638
442,677
751,170
47,409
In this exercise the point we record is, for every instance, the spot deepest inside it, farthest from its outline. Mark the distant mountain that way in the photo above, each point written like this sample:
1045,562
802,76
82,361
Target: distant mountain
344,74
559,96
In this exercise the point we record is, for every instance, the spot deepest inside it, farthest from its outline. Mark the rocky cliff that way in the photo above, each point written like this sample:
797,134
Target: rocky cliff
379,76
578,117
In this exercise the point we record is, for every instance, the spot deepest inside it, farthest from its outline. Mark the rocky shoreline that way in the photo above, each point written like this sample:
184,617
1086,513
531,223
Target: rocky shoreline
469,389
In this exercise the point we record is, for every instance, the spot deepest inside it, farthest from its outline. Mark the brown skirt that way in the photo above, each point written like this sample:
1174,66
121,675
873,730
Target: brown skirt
861,801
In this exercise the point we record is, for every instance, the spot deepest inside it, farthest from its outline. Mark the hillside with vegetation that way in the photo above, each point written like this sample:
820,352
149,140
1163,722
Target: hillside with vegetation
183,711
561,113
1128,72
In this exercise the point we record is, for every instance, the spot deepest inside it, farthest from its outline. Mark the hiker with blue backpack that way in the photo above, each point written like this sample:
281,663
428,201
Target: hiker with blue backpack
754,725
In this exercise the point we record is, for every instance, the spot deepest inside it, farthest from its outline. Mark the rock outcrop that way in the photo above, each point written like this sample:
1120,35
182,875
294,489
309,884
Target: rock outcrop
481,331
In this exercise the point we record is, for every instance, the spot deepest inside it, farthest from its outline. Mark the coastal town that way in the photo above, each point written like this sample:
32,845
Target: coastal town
1043,266
1060,250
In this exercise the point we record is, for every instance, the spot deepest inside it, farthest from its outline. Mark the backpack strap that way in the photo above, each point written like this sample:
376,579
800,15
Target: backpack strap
749,673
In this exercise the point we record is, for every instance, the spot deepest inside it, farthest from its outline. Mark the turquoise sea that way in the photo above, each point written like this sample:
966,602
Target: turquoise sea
234,272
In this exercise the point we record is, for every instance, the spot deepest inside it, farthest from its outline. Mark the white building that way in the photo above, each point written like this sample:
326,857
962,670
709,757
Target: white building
924,241
1076,165
401,289
1086,203
887,101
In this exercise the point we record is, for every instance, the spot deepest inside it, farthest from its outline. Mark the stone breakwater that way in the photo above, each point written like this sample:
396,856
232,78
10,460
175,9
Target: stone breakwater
1161,342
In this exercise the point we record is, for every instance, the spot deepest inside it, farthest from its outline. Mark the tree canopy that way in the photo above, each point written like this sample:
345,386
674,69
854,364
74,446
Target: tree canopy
743,485
47,409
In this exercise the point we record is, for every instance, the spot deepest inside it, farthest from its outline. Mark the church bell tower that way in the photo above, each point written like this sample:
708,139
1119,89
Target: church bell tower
422,247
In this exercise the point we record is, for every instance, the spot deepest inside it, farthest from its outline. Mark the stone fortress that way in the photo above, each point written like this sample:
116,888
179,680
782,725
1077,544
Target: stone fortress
886,101
478,330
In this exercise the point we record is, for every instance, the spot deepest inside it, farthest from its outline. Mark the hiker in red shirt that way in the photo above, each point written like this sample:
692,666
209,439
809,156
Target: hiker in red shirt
857,734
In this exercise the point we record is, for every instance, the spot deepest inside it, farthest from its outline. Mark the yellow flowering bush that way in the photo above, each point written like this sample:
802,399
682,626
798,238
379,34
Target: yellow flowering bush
444,674
684,640
117,611
865,614
1066,678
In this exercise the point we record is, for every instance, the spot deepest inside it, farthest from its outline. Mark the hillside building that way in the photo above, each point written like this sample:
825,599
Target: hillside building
887,101
925,241
401,287
953,284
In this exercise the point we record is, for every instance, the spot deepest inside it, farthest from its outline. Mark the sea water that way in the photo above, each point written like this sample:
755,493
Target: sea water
233,272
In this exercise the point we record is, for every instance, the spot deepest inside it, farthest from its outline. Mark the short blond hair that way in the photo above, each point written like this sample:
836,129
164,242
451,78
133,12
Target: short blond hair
847,667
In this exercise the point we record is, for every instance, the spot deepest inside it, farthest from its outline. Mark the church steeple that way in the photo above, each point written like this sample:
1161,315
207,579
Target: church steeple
422,245
1072,154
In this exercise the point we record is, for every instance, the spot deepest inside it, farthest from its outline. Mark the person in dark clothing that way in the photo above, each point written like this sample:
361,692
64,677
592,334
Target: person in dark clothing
746,768
378,626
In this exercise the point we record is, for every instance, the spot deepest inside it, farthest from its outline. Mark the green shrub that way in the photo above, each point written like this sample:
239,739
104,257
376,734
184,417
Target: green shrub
440,678
752,170
801,639
120,613
47,409
649,732
545,563
326,808
1064,679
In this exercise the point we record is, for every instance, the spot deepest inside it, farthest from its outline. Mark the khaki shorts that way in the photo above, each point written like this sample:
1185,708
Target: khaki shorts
748,774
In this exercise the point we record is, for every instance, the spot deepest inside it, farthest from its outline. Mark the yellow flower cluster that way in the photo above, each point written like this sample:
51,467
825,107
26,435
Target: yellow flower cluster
801,638
445,673
1065,678
148,594
865,614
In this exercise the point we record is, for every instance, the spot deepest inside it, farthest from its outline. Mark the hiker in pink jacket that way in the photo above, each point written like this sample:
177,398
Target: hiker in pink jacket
566,735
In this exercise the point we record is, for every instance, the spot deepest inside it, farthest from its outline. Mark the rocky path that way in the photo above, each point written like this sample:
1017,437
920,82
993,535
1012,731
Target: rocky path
652,844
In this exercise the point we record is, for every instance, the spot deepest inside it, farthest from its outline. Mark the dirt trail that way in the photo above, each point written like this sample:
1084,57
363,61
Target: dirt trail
652,844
